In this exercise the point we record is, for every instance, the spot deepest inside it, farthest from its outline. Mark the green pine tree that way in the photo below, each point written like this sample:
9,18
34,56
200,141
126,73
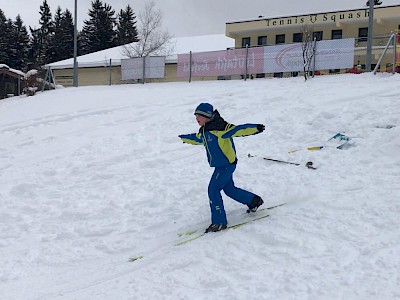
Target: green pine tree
98,32
19,44
57,38
3,38
46,34
35,45
67,31
63,39
126,28
9,33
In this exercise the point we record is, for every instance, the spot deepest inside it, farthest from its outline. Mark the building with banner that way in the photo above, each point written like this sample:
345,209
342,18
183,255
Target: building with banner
337,25
113,66
264,47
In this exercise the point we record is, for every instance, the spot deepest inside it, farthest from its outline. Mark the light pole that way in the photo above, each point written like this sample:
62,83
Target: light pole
369,40
371,4
75,83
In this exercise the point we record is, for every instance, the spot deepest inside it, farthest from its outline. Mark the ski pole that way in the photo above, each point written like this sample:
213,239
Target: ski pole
309,148
308,164
277,160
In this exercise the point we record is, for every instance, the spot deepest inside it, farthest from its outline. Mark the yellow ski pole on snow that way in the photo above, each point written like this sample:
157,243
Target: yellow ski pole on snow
309,148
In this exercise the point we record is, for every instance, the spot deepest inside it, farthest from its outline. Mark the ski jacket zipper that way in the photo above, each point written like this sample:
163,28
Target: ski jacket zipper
206,145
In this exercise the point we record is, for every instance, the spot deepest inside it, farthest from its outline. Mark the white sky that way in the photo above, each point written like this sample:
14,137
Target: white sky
190,17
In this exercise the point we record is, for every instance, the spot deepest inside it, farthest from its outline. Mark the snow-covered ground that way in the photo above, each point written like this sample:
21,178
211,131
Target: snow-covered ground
92,176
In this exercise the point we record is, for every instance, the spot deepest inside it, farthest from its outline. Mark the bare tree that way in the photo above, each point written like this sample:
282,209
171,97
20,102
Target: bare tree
308,49
152,40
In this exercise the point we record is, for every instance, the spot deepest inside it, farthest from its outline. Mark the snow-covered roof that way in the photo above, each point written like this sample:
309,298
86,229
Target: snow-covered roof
30,73
3,66
181,45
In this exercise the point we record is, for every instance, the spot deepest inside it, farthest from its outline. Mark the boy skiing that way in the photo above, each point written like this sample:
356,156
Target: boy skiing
216,136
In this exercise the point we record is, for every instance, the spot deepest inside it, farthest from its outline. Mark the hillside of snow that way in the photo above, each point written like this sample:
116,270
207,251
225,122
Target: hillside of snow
92,176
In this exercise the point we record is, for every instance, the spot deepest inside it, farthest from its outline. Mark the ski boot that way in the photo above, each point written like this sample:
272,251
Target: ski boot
215,228
255,204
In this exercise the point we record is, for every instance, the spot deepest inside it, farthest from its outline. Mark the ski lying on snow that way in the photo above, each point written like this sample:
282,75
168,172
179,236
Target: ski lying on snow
338,141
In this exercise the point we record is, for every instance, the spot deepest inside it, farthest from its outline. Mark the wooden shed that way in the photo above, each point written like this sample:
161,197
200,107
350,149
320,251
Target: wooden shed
10,81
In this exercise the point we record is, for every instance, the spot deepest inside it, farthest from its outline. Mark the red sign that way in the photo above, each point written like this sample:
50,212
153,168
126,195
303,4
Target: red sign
226,62
398,49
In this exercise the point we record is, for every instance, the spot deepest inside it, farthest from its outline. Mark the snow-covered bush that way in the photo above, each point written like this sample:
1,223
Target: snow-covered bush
31,82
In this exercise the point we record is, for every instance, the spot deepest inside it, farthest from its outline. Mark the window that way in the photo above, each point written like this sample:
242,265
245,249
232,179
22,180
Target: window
334,71
297,37
317,35
245,42
10,88
362,34
224,77
280,39
336,34
262,40
260,75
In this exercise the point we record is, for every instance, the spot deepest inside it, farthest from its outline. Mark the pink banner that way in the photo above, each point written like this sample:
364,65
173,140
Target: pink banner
225,62
398,50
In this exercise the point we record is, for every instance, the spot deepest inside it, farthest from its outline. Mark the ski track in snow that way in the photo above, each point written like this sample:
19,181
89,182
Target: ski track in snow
94,175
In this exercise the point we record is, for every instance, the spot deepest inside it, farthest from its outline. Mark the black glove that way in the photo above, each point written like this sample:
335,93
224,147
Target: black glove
260,127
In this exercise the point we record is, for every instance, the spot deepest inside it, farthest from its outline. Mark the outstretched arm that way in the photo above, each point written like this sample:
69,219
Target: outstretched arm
193,139
243,130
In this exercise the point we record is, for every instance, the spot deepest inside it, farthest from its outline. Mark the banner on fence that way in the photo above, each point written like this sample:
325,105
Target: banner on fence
398,49
132,68
225,62
330,54
335,54
283,58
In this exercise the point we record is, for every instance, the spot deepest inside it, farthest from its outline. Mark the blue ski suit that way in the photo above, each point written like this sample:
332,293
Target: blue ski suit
217,138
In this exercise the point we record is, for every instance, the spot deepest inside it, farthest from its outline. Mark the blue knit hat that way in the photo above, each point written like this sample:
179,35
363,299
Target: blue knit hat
205,110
